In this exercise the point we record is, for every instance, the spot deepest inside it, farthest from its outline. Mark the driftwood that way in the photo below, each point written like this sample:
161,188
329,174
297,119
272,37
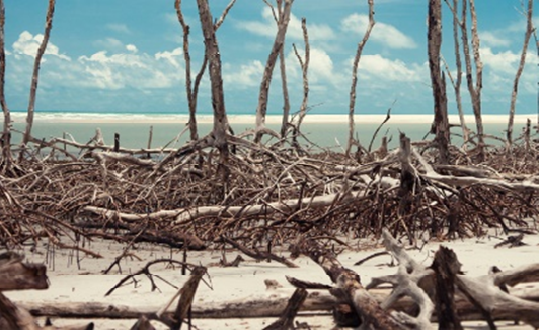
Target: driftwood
16,275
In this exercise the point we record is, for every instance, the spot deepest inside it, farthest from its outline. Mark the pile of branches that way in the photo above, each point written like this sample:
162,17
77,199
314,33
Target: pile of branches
271,193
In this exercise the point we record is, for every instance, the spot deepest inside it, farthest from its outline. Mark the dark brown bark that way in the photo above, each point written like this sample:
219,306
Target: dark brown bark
441,123
475,91
446,267
37,63
361,45
220,121
304,63
191,97
278,44
286,321
16,275
527,37
6,133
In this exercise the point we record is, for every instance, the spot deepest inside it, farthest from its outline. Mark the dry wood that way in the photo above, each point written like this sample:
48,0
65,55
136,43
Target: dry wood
527,37
6,131
260,256
37,63
278,44
16,275
351,139
286,321
441,123
348,287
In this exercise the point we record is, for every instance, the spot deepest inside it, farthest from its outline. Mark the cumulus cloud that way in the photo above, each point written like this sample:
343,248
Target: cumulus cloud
124,68
393,70
383,33
132,48
268,28
244,75
493,39
27,44
119,28
110,44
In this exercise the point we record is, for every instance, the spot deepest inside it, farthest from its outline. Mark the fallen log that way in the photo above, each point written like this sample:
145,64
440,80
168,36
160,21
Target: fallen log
16,275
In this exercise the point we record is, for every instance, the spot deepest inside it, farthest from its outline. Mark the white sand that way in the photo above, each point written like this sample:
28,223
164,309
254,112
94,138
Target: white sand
69,284
19,117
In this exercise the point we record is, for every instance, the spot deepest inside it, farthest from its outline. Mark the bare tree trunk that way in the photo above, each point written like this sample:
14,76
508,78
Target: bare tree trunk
191,99
475,92
278,44
441,122
361,45
457,84
305,70
282,61
527,37
37,62
192,92
6,133
220,121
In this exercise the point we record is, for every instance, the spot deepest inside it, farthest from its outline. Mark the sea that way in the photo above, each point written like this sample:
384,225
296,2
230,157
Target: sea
326,131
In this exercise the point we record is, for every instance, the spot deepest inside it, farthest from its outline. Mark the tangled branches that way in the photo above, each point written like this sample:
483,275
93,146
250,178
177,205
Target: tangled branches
273,195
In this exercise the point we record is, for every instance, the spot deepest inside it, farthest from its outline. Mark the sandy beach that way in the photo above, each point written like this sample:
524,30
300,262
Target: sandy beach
53,117
71,285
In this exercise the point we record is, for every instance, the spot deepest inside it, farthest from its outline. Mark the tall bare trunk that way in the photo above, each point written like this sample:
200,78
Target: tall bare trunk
441,122
191,99
6,133
278,44
192,91
37,62
351,140
458,82
220,121
304,64
284,80
527,37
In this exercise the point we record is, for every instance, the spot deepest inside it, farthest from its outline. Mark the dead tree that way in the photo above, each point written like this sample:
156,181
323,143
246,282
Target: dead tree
458,81
37,63
304,64
218,135
192,91
441,123
527,37
278,44
351,140
6,133
282,61
475,91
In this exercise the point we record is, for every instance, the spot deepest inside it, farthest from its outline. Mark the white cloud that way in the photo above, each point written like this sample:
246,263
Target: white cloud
390,70
28,45
172,56
384,33
110,44
132,48
120,28
321,68
493,39
244,76
125,68
268,28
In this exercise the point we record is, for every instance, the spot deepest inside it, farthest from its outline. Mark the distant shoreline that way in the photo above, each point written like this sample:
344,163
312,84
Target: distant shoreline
71,117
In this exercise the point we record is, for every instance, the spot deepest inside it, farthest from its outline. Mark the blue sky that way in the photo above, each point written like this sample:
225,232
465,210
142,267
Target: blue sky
125,56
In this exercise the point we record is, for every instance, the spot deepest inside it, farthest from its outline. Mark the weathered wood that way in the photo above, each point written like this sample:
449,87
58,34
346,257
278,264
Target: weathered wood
16,275
446,266
286,321
441,122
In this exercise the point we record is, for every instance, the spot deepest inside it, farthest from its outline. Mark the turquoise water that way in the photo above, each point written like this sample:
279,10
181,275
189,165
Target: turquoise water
331,135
